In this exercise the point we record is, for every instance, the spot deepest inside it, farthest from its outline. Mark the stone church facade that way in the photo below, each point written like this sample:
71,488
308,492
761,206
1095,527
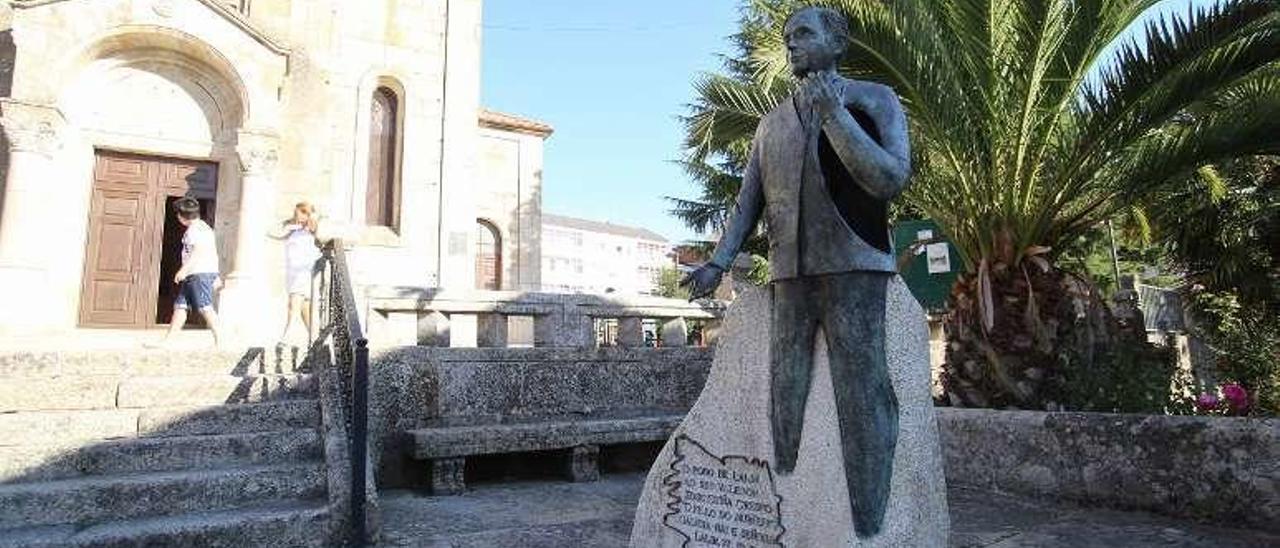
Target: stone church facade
111,109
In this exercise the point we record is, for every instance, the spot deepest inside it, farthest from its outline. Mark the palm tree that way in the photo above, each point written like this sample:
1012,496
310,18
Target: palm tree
1031,125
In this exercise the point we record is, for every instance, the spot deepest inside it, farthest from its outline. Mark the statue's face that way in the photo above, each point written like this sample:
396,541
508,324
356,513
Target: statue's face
810,47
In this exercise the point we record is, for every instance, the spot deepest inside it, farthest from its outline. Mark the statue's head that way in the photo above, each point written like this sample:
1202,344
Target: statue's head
815,39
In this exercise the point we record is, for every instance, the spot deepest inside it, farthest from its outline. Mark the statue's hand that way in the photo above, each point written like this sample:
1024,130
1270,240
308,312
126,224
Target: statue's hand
820,89
703,281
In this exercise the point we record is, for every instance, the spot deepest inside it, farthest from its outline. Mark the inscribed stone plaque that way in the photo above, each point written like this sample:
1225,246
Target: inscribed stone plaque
725,502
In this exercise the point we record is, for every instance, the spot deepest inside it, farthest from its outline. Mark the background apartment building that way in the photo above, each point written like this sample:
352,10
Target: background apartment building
582,256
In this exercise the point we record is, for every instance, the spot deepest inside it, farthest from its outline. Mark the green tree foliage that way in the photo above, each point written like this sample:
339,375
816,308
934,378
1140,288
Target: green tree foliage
1245,341
1222,230
1027,136
668,284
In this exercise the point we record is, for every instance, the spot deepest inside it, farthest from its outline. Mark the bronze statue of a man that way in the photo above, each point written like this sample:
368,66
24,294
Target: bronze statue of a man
823,167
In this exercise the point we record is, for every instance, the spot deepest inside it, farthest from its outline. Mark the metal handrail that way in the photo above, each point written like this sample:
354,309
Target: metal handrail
351,350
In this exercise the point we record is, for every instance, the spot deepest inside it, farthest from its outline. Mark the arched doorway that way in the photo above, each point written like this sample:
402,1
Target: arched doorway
488,256
187,127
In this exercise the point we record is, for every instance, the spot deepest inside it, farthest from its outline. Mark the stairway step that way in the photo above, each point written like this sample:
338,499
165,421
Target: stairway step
71,427
292,524
213,389
93,500
137,455
58,393
229,419
49,427
83,393
43,364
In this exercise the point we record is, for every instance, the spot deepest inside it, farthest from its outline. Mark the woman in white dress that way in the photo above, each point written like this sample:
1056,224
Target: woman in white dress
300,256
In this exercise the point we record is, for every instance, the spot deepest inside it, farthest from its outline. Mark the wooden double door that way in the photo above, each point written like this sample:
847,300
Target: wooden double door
135,240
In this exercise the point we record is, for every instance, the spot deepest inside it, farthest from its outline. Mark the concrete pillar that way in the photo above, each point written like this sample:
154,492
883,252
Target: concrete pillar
675,333
31,208
433,329
631,332
246,302
491,331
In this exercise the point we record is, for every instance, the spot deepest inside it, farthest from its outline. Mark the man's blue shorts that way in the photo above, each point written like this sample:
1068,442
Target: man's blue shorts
196,292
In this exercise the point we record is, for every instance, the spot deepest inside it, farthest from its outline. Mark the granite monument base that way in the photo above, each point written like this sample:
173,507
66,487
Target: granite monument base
714,484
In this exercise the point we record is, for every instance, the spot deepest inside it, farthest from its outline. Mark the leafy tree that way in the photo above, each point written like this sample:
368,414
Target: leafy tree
668,284
1027,136
1227,238
1227,244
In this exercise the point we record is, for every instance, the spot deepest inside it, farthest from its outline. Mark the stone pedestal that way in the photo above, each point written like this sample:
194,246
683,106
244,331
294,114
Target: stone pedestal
583,463
715,484
448,476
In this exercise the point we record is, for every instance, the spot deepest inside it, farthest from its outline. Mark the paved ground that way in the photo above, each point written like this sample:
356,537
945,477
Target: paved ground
558,514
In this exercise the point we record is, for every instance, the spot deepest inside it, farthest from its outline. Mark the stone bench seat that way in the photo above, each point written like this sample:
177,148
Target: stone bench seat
445,443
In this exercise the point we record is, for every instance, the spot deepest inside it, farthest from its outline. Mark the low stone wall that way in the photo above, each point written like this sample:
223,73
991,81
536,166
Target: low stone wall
411,387
1225,470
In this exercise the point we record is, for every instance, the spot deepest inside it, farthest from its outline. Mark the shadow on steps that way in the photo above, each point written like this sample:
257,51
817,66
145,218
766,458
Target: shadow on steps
161,448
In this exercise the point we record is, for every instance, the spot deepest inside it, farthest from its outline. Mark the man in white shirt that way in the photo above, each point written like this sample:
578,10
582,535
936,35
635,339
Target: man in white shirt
198,275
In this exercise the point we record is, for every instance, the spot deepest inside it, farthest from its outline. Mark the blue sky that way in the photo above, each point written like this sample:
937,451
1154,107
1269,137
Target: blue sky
612,76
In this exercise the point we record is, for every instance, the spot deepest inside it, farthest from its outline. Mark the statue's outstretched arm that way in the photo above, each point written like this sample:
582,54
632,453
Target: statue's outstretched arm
746,212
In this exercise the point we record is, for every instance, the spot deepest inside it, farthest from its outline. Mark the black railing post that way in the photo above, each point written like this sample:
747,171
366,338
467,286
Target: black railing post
359,439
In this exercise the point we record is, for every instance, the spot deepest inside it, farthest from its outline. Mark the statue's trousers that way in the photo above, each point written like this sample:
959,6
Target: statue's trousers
850,308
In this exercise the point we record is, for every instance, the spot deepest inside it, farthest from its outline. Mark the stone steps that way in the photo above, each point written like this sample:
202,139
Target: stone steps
295,524
156,448
35,463
113,498
149,362
112,392
68,427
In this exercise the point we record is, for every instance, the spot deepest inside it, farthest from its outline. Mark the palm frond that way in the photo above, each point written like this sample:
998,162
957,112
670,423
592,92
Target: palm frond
1019,138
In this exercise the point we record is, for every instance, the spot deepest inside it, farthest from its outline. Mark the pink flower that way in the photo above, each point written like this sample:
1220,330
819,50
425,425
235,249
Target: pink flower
1207,401
1237,397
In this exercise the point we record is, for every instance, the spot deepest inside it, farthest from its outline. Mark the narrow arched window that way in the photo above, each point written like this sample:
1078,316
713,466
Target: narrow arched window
488,257
382,192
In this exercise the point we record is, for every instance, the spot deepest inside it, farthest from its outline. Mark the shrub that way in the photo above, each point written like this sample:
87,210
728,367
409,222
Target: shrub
1245,343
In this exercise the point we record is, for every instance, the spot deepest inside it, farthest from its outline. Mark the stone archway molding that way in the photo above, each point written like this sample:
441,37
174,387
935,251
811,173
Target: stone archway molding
137,43
221,9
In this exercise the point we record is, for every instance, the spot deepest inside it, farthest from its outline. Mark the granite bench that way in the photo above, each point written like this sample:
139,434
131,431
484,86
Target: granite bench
450,404
445,446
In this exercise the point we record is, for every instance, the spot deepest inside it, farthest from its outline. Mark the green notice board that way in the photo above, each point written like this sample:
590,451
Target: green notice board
932,269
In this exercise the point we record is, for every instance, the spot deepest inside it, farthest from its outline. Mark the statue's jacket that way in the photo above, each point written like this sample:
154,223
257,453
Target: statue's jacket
819,219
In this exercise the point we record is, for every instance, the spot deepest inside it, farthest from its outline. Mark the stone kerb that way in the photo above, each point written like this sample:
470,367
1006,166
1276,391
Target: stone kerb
406,316
1225,470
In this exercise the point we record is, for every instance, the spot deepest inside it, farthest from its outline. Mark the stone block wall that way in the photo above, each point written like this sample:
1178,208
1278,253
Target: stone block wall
1225,470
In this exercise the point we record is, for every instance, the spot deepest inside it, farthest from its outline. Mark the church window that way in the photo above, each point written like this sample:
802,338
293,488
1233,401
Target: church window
383,191
489,257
